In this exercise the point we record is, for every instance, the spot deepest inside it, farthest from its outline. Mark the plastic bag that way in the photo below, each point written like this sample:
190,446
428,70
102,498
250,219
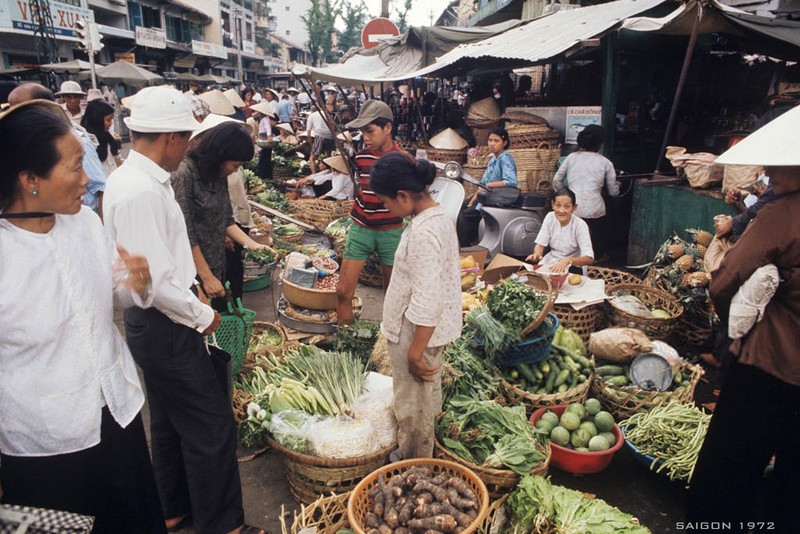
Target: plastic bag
669,353
630,304
342,437
748,304
619,345
290,428
716,252
376,406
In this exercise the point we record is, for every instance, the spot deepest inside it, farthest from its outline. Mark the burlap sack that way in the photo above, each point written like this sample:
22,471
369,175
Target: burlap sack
740,176
619,345
699,168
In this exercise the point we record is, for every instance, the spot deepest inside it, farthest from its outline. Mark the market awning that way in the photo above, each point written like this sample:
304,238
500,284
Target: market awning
776,37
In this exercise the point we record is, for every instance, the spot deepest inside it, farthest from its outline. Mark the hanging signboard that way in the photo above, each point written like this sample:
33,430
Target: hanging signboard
578,118
201,48
19,15
151,37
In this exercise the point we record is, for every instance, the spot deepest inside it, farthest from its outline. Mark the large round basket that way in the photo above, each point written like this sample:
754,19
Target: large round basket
312,476
533,402
360,500
530,135
654,327
611,277
443,155
498,481
696,330
583,322
259,327
326,514
309,298
320,213
293,238
625,401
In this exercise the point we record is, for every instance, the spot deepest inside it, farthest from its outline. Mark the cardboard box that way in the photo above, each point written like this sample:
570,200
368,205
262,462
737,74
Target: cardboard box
502,266
478,253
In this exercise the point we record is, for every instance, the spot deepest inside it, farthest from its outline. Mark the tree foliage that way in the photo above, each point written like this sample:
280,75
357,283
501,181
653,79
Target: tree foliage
353,16
401,15
319,22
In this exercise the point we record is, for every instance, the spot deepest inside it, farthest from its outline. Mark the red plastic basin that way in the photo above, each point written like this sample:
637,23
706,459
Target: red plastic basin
580,463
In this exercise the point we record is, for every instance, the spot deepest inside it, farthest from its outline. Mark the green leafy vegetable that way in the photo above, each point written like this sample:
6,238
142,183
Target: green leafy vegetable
515,304
260,256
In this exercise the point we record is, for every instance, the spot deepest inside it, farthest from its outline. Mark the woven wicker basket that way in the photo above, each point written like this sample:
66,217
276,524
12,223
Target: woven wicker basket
542,157
623,402
443,155
320,213
498,481
478,156
360,501
583,322
371,275
696,330
407,145
654,327
611,277
326,514
533,402
282,172
477,173
531,135
312,476
481,128
258,328
294,238
496,517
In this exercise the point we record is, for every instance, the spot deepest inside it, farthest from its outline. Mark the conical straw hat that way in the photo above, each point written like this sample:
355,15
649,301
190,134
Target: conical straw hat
234,98
773,144
448,140
218,103
337,163
285,126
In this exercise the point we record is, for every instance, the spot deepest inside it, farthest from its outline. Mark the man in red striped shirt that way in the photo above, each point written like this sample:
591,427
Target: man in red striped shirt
375,229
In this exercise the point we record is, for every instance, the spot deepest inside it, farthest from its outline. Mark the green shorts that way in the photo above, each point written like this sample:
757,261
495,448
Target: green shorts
362,242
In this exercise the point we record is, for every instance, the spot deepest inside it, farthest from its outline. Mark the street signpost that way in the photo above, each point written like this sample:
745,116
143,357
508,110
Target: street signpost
376,30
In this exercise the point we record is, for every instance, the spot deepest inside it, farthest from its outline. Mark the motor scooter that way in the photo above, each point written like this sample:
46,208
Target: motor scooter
510,219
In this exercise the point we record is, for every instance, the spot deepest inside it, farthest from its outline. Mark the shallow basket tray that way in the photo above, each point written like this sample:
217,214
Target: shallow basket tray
360,501
320,213
498,481
312,476
624,401
583,322
533,402
654,327
326,514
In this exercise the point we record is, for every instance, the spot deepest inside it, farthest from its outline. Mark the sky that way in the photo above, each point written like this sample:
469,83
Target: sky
420,14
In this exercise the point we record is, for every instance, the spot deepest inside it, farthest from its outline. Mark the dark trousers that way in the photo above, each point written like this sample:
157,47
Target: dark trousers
234,267
757,416
192,431
264,169
112,481
598,231
467,225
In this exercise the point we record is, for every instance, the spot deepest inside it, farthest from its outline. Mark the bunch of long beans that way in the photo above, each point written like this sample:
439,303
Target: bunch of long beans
671,433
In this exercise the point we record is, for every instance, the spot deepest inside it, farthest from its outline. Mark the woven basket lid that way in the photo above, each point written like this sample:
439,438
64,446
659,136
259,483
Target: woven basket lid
234,98
218,103
525,117
448,140
488,108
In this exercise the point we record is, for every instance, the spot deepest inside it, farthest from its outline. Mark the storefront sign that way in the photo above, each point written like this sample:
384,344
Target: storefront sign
578,118
202,48
249,47
151,37
19,15
130,57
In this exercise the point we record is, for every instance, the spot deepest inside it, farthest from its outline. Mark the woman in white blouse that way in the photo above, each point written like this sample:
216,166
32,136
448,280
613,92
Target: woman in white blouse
71,434
566,234
422,307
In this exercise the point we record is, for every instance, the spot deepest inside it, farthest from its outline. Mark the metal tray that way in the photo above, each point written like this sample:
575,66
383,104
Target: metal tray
308,327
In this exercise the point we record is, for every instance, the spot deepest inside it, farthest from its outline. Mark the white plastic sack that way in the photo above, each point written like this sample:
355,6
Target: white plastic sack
376,405
747,305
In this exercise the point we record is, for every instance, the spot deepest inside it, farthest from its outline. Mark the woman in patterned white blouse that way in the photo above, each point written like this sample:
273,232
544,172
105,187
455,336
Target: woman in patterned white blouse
422,307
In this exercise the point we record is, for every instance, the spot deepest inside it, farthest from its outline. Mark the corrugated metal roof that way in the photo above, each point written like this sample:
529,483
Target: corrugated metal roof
547,37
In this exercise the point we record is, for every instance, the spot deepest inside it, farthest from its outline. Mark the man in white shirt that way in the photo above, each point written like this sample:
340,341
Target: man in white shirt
192,429
72,94
323,138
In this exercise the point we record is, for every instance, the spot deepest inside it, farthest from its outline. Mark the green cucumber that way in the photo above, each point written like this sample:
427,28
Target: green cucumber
610,370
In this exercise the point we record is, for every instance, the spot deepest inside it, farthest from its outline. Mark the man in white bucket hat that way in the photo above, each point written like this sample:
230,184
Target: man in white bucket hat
72,94
761,387
192,429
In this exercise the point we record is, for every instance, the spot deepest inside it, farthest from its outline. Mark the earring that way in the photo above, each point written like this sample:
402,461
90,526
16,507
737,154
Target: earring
34,192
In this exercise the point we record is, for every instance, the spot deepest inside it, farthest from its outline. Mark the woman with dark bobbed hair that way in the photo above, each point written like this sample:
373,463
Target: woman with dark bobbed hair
71,436
422,307
201,189
585,172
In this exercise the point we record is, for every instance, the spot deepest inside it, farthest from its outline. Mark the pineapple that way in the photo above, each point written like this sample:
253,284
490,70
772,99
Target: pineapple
696,279
702,249
685,262
676,250
702,237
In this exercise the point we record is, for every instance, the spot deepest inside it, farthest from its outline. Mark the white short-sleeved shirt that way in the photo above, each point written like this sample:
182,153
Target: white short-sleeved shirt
426,279
565,241
585,173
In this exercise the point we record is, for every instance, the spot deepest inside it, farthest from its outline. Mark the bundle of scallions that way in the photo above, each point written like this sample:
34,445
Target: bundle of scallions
494,335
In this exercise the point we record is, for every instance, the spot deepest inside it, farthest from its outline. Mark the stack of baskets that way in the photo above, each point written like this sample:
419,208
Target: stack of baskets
526,130
482,117
443,155
536,166
583,322
320,213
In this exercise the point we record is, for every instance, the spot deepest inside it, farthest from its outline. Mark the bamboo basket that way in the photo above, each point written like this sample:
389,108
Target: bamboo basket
320,213
498,481
326,514
531,135
535,165
371,275
533,402
282,172
654,327
360,501
625,401
312,476
477,173
481,128
258,328
443,155
611,277
407,145
496,517
294,238
583,322
478,156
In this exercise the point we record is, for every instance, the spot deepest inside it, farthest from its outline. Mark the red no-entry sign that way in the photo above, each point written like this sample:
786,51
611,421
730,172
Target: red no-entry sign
377,29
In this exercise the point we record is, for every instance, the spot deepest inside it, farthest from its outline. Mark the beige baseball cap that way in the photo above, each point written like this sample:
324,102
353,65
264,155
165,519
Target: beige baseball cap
371,110
161,110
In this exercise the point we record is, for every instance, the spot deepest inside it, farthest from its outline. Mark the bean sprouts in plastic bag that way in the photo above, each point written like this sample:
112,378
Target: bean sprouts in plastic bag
342,437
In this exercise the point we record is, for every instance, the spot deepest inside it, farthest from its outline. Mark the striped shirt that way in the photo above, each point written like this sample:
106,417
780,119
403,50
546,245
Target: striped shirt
368,210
